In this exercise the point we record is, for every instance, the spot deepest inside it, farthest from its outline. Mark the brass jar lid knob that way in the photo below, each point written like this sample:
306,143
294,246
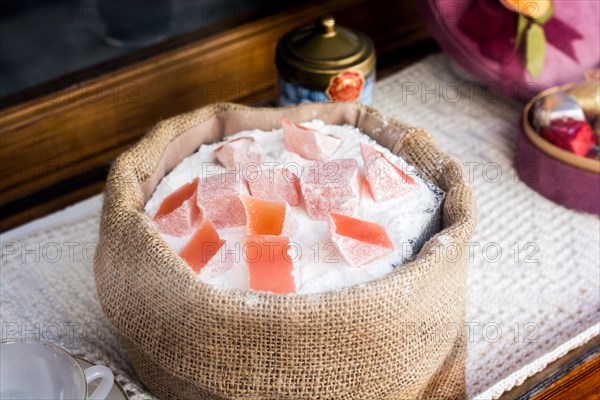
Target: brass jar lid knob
325,25
311,55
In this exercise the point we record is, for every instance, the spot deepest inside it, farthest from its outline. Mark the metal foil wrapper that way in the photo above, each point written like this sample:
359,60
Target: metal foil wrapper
556,106
580,102
587,96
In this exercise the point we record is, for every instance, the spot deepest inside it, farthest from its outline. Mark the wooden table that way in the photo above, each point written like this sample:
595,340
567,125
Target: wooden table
58,141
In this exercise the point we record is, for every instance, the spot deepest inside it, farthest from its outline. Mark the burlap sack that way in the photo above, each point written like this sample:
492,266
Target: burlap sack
399,337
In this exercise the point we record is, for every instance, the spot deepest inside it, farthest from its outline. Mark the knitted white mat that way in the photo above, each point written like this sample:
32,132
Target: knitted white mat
534,278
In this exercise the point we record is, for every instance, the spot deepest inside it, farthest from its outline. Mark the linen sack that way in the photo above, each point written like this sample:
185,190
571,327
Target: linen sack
398,337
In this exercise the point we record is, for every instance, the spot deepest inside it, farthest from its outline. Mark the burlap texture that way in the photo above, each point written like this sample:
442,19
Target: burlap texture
398,337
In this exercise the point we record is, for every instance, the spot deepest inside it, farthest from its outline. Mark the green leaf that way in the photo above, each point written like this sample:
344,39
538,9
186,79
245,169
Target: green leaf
546,17
521,27
535,50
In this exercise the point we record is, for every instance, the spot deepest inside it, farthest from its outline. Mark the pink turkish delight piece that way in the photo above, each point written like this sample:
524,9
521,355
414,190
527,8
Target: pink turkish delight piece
236,153
218,196
277,184
330,186
179,213
221,262
309,143
265,217
202,247
360,242
386,181
270,266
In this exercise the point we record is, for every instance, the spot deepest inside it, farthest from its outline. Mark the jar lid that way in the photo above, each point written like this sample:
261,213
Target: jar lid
310,56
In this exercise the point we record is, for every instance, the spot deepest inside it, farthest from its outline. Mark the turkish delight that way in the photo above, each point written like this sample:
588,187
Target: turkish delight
202,247
265,217
330,186
236,153
308,143
270,266
178,213
360,242
277,184
385,180
218,196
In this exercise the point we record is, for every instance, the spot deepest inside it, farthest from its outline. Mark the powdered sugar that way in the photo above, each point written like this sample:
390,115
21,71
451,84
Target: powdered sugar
410,220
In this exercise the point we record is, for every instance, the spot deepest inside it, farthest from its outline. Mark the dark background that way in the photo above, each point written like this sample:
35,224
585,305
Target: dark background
65,41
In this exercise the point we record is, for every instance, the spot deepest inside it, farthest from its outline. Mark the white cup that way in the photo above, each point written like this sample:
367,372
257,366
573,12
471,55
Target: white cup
46,371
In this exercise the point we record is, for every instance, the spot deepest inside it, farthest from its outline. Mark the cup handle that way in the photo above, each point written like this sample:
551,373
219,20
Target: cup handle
106,384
